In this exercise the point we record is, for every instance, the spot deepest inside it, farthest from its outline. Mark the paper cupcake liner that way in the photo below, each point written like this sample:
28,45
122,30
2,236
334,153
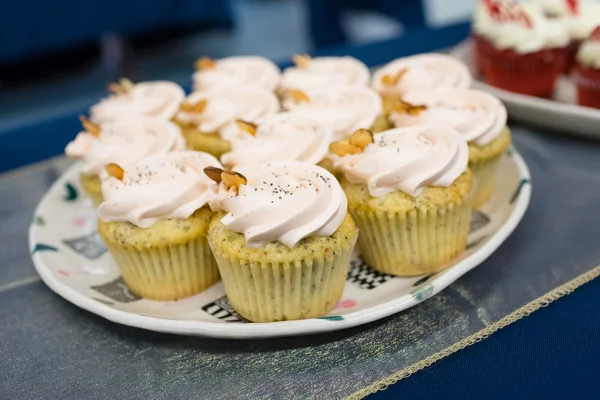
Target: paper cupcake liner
167,273
93,189
414,243
484,174
588,86
268,292
533,74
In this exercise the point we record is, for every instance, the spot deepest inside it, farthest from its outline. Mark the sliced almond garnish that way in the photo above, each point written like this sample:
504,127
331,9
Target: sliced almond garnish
196,108
214,173
298,96
124,86
115,171
301,60
204,63
342,149
361,138
393,79
89,126
404,107
233,179
246,126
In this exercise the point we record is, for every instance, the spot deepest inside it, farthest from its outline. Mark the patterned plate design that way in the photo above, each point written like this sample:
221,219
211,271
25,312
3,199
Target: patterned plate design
72,260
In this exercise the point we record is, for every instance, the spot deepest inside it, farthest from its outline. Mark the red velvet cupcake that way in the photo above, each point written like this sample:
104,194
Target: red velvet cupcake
587,71
517,48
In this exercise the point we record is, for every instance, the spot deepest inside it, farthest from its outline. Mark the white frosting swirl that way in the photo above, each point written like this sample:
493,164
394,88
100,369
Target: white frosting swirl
125,142
238,71
153,99
589,54
165,186
408,159
225,106
342,109
580,26
286,202
556,8
280,137
423,71
529,32
478,116
326,71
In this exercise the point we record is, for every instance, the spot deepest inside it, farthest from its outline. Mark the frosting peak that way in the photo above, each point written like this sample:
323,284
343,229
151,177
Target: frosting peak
325,71
280,137
165,186
286,202
343,109
224,106
408,159
125,142
423,71
153,99
238,71
479,117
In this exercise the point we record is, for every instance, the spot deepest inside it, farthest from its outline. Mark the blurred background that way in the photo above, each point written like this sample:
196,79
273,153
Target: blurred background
56,57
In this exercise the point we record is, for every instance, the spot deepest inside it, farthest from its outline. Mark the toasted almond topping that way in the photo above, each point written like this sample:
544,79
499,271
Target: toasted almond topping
404,107
197,108
301,60
214,173
298,96
246,126
361,138
89,126
115,171
204,63
233,179
341,149
124,86
393,79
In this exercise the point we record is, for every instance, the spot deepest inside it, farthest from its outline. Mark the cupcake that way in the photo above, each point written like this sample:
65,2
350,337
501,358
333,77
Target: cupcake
479,117
208,119
587,71
278,137
423,71
324,72
154,221
236,71
160,99
283,242
409,191
580,17
517,48
123,142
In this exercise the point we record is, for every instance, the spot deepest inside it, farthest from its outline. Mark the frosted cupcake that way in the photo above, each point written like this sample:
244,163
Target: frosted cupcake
423,71
208,119
324,72
160,99
587,71
279,137
123,142
517,48
409,191
580,17
236,71
154,221
284,245
479,117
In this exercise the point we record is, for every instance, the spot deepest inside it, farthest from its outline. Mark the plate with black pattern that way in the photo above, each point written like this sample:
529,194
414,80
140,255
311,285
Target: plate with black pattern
70,257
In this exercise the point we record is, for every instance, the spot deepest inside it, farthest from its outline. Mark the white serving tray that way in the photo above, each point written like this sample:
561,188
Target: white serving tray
560,114
72,260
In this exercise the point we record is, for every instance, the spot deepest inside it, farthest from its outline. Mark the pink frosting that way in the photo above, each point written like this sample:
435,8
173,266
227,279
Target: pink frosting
326,71
408,159
237,71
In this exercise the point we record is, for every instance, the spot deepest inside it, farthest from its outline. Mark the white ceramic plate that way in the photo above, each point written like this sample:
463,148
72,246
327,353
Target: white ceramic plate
559,114
72,260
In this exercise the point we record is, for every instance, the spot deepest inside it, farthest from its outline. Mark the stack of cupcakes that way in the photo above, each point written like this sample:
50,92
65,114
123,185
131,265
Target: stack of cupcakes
264,178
